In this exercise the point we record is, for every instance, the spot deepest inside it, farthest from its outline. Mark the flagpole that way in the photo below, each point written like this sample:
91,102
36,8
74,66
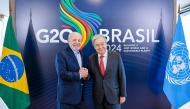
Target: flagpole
175,27
10,9
172,107
178,9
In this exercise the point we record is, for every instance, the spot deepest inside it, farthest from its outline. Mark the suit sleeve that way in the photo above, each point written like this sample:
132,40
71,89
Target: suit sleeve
62,72
89,77
122,78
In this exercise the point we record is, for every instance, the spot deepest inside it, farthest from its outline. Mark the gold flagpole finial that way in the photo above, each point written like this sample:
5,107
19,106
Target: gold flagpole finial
179,9
10,9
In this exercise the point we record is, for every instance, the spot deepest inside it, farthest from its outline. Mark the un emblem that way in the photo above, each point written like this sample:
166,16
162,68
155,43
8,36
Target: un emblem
178,66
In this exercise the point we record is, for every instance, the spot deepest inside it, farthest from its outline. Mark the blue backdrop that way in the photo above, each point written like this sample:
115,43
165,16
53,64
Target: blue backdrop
140,30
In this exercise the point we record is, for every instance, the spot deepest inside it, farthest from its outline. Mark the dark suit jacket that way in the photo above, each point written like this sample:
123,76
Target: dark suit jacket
69,87
113,83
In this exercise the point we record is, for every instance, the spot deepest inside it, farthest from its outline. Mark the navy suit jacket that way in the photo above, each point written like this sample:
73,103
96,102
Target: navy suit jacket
113,83
70,86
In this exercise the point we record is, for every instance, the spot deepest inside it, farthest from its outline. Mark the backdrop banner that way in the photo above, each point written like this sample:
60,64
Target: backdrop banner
140,30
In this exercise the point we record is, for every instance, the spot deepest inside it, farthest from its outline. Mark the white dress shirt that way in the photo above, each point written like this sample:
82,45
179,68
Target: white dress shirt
79,59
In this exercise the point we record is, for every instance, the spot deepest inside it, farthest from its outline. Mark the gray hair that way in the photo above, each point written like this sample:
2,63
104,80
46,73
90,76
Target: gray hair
73,33
96,37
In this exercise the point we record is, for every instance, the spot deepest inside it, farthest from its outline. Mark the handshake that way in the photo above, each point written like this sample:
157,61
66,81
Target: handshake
83,72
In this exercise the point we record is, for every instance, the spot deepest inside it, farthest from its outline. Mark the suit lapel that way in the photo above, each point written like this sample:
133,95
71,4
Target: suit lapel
70,51
82,58
109,60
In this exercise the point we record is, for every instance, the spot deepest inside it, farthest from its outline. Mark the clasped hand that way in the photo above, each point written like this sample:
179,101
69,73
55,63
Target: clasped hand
83,72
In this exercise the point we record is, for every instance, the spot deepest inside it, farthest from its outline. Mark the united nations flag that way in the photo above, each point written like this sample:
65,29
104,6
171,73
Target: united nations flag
177,74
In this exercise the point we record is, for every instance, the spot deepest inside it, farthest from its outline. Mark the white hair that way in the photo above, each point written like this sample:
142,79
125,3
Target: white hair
96,37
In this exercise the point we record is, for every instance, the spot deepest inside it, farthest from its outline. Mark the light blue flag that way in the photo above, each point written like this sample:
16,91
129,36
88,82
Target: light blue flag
177,77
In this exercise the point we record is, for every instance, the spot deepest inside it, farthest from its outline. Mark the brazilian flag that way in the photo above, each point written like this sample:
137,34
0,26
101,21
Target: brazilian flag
13,81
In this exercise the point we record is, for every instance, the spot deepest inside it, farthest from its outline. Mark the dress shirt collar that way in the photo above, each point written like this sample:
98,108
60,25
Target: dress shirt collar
105,55
74,51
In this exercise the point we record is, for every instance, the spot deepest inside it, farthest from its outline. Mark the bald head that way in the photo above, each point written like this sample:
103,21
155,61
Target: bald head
73,34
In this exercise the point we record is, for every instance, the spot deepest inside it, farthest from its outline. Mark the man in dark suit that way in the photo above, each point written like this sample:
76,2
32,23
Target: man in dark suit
107,70
70,71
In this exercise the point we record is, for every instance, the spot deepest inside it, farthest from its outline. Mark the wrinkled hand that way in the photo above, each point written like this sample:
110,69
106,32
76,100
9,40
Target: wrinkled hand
122,100
83,72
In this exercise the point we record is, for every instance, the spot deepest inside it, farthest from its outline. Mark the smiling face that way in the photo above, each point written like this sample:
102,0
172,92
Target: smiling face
100,45
75,40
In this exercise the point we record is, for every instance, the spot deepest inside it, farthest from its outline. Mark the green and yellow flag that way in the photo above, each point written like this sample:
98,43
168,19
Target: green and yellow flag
13,81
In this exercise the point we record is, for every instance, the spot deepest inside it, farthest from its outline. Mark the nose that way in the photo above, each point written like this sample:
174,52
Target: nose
101,46
78,42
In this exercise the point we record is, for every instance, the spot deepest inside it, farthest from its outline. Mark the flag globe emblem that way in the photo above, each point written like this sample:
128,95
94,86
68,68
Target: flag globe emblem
11,68
178,71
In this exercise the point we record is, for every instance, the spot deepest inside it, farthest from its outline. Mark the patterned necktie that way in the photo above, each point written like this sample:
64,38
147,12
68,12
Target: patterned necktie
102,65
77,54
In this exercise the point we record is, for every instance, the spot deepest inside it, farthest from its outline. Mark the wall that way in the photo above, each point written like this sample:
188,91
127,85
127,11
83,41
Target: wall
4,12
186,25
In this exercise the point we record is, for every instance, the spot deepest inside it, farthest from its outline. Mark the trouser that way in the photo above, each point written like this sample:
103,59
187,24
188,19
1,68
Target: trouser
70,106
106,105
